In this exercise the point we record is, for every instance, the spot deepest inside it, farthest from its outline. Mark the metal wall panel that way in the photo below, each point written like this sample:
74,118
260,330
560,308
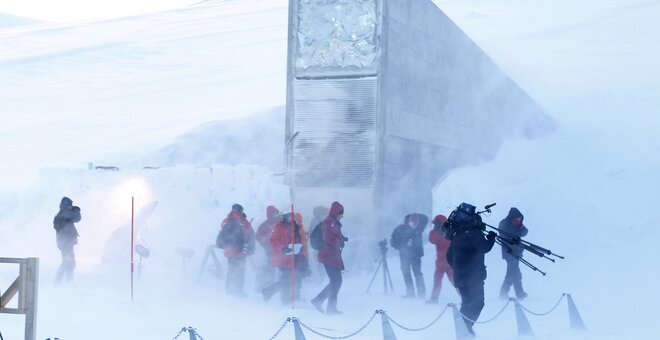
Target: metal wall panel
334,124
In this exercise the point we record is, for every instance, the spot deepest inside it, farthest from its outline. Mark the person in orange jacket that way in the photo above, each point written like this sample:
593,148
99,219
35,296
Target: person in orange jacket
330,256
267,272
289,252
237,241
442,267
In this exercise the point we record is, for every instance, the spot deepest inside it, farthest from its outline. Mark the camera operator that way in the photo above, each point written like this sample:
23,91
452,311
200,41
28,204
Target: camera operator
67,236
512,227
466,257
407,239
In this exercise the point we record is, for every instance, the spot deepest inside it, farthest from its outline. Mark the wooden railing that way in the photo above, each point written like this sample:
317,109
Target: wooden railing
26,286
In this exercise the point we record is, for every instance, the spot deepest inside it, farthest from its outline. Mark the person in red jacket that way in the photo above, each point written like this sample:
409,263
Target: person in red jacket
267,273
237,238
287,248
442,267
330,256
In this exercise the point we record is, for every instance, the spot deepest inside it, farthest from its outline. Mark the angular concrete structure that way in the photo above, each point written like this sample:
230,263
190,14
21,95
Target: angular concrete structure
384,98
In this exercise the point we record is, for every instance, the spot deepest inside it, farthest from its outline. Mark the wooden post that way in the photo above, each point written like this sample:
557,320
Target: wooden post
26,286
30,302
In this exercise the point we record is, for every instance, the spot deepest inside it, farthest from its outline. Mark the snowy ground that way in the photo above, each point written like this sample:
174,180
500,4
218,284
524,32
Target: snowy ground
113,92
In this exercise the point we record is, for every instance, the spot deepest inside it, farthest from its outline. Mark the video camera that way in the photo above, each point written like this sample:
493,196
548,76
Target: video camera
463,218
382,245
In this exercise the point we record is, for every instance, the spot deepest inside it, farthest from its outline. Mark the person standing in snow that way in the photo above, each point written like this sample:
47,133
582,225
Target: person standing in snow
66,235
237,237
442,267
287,256
407,239
512,227
466,255
330,256
320,212
263,234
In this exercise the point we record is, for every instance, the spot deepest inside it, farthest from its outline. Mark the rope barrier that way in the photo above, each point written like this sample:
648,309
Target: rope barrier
280,329
491,319
344,336
410,329
548,312
387,317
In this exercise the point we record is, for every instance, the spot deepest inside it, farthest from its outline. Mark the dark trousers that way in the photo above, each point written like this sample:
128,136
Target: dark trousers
236,275
67,266
472,302
414,264
283,286
331,290
513,278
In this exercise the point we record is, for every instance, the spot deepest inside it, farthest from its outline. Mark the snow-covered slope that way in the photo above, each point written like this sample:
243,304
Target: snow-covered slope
8,20
110,91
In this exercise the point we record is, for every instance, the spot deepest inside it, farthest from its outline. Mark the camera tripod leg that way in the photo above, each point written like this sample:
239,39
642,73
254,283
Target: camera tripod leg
374,277
386,276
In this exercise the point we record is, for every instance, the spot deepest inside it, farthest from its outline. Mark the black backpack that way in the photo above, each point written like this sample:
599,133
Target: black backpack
231,235
316,237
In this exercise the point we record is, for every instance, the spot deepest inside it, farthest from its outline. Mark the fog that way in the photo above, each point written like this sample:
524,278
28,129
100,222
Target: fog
127,92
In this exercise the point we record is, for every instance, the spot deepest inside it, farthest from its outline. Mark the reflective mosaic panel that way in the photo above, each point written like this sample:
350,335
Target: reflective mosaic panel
336,37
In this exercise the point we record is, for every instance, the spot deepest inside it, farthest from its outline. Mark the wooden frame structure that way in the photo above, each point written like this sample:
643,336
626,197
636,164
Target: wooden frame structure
26,286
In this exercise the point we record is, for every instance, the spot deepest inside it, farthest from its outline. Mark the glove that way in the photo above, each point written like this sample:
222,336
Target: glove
491,236
409,243
287,250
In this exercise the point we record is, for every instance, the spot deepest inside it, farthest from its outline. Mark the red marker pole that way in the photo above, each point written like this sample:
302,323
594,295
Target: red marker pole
293,263
132,229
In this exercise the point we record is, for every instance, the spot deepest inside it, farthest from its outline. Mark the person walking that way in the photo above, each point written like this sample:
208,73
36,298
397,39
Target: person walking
512,227
466,255
407,239
237,237
266,274
283,250
66,236
442,267
330,256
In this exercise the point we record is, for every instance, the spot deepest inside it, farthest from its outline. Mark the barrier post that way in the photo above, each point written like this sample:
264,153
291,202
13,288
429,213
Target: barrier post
297,329
574,316
524,328
192,333
388,332
459,324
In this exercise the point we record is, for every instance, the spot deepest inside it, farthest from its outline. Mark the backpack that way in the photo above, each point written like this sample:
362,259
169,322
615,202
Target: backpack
231,235
316,237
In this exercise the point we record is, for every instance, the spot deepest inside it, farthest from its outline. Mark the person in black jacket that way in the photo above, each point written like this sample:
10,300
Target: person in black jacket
512,227
466,256
67,236
407,239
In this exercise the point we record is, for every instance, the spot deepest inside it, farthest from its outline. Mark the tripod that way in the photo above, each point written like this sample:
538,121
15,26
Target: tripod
386,270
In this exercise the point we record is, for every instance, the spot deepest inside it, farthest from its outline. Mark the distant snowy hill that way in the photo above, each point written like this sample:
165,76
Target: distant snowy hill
254,139
8,20
115,90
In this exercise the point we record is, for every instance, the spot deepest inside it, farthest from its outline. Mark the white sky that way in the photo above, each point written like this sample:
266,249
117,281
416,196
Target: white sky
74,10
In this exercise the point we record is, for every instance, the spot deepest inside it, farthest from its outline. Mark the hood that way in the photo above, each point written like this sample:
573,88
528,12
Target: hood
271,212
514,213
65,203
439,219
336,209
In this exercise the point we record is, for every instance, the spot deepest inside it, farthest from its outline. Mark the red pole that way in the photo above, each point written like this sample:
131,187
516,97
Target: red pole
293,263
132,229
